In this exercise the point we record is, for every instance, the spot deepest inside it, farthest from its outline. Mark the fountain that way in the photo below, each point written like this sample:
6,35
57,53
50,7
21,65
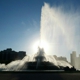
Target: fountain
40,60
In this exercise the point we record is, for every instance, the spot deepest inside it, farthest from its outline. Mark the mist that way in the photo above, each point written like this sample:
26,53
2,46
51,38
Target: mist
60,28
19,65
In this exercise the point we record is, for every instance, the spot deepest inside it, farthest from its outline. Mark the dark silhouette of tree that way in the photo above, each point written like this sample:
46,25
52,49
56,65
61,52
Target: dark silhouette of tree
69,69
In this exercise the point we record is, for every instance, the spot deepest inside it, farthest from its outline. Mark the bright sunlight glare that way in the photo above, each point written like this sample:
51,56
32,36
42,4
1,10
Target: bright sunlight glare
42,44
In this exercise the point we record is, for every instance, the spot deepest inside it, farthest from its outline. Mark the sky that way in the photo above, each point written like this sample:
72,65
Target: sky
20,21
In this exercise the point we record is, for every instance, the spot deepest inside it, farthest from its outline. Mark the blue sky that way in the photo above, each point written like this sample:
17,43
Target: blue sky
20,21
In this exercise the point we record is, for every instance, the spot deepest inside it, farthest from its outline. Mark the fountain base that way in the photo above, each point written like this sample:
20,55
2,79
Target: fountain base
42,66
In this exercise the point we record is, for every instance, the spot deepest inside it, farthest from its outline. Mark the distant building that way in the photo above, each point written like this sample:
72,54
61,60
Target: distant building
60,58
55,57
75,61
73,58
21,54
8,55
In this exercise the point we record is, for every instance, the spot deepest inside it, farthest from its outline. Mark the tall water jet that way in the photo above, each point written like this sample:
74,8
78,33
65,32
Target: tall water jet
50,27
58,29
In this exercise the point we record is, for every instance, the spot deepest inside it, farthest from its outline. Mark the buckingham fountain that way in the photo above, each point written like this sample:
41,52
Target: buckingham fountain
48,25
40,60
